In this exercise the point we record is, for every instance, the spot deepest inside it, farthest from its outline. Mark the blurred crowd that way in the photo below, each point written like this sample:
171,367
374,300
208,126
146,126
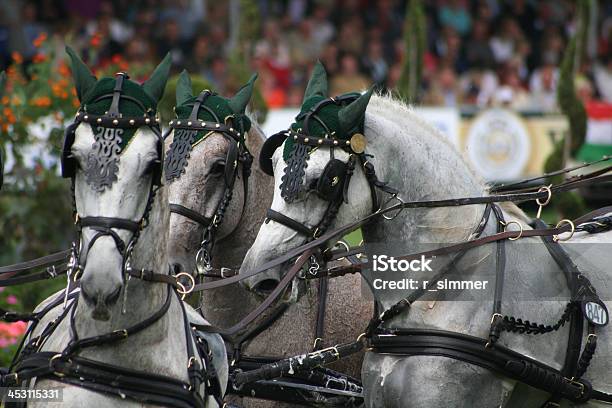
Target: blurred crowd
479,52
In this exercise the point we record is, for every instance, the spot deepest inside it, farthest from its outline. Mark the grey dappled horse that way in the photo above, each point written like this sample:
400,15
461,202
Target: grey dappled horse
411,156
200,188
123,192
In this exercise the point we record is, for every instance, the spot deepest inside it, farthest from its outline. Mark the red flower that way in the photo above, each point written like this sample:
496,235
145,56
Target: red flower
38,58
39,40
95,40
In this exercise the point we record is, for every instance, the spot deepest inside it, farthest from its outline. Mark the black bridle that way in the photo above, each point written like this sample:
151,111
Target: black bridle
103,226
238,152
331,188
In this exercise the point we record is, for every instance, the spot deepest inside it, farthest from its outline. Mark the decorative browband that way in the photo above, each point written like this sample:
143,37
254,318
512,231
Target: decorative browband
117,122
200,125
357,143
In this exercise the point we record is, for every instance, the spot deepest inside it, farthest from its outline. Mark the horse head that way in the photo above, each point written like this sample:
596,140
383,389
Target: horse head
318,177
113,154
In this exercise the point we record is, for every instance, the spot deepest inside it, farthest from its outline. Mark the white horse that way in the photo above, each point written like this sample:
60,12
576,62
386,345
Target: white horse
411,156
107,302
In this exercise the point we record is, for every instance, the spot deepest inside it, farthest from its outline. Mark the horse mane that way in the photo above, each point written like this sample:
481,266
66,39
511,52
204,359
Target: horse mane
404,115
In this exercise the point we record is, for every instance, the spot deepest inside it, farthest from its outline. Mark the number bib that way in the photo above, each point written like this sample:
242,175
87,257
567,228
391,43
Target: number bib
595,312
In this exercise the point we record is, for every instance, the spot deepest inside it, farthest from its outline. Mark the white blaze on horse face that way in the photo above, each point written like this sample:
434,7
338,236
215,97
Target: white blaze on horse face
125,199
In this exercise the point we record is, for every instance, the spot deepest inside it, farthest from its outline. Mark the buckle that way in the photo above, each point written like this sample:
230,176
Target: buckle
10,379
578,383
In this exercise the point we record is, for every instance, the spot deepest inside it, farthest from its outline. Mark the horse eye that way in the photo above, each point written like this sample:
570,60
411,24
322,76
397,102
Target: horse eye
218,167
151,165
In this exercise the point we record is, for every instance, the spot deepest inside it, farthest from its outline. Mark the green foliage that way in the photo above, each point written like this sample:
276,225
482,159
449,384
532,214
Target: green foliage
570,204
239,72
249,23
408,87
239,69
36,220
569,103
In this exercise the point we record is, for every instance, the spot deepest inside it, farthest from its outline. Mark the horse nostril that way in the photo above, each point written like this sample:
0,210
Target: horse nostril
265,287
113,297
177,268
89,298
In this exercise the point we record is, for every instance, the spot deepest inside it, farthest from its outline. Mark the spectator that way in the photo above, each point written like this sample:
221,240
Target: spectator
171,42
454,14
31,29
478,86
543,86
602,73
375,63
444,90
482,42
323,29
511,93
349,78
478,52
201,55
503,42
584,89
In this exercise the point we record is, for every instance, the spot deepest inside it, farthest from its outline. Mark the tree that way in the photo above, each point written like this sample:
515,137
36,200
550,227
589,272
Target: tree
570,204
409,84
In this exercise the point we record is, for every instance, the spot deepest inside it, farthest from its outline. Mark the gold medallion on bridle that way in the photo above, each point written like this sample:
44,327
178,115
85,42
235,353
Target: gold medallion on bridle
358,143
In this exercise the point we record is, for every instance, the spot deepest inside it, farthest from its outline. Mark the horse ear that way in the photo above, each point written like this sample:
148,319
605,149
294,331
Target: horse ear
156,84
184,90
84,80
239,102
317,85
351,116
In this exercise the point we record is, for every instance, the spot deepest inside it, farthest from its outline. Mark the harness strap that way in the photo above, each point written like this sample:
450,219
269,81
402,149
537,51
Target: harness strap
78,344
470,349
262,306
109,379
35,263
190,214
110,222
288,222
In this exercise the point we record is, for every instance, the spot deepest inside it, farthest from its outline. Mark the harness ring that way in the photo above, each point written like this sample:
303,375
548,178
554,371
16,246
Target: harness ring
520,231
181,289
399,200
541,205
560,223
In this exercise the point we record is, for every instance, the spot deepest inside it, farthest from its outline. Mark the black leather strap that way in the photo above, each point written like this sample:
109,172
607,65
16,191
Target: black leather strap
110,222
35,263
289,222
470,349
190,214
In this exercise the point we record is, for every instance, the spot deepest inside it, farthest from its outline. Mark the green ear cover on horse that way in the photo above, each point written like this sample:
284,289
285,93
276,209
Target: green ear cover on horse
239,102
317,85
184,90
156,84
84,80
351,116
